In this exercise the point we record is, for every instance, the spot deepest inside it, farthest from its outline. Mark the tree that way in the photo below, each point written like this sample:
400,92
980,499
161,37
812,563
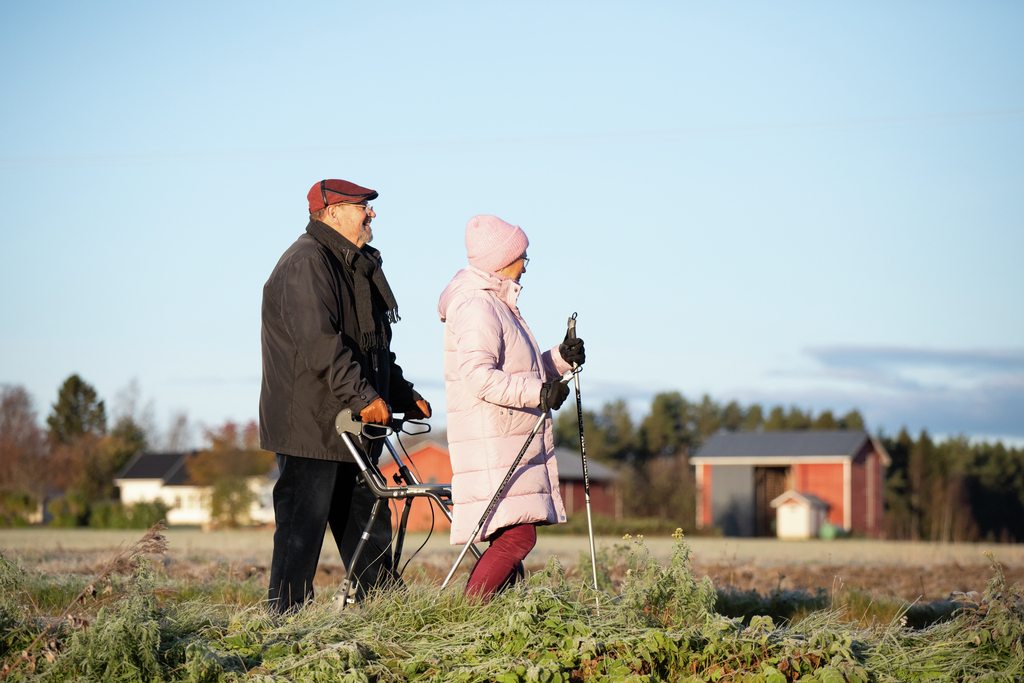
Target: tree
664,430
76,413
616,426
131,435
797,419
898,516
753,419
852,420
708,416
134,422
231,458
995,484
776,420
732,417
825,421
567,432
85,459
917,475
180,434
23,453
661,487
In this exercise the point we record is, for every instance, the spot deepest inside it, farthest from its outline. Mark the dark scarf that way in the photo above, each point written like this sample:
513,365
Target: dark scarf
367,280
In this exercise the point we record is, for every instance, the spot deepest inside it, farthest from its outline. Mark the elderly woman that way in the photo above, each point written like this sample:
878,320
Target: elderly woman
498,382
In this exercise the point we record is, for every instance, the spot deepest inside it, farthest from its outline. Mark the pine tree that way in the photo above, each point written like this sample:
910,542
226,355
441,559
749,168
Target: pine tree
77,412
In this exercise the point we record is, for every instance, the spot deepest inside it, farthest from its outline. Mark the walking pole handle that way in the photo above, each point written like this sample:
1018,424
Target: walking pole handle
572,326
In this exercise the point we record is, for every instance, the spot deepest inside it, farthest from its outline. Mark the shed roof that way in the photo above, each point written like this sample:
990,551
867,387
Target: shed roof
813,443
808,499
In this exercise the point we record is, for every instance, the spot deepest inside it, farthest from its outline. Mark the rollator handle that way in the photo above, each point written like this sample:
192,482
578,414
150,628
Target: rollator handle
347,423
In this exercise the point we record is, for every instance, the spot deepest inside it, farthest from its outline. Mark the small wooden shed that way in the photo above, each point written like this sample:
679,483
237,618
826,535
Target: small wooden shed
799,515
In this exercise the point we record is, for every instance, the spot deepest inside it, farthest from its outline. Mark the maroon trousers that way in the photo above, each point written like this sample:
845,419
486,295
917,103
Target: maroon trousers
496,569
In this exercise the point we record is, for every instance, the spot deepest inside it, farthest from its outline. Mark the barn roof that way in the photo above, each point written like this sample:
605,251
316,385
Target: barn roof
570,466
800,444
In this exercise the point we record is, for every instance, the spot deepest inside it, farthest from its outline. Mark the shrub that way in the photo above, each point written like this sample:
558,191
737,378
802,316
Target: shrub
114,515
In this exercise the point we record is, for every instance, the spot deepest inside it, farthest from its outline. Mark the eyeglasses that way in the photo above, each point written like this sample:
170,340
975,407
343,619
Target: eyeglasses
526,262
365,207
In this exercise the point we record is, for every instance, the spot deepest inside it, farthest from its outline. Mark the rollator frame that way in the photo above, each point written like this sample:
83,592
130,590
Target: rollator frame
408,488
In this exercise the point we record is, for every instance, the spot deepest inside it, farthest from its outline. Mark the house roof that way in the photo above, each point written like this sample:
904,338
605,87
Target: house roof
178,475
570,466
170,468
773,445
152,466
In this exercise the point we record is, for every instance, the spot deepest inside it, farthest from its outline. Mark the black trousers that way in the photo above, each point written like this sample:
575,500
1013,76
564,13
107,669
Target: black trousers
309,495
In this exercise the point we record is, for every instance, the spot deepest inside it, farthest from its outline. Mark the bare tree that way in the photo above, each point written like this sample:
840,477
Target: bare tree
23,451
129,409
179,436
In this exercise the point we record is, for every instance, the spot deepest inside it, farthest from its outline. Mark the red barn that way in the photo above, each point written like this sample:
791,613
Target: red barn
433,466
605,499
739,475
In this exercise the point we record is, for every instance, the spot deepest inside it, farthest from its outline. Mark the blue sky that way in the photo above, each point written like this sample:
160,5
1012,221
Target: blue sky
803,203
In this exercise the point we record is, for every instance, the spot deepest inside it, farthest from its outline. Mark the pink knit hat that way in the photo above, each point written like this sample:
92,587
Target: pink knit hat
492,243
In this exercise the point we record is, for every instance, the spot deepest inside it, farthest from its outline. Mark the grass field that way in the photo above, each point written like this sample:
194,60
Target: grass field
257,545
909,571
187,607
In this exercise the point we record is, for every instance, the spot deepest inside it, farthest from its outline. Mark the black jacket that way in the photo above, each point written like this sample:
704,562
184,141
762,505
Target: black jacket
312,363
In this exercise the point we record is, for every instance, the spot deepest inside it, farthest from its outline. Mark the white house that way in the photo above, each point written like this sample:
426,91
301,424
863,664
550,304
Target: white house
164,476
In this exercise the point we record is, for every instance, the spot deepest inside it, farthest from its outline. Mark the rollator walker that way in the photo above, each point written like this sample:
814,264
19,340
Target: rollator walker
408,487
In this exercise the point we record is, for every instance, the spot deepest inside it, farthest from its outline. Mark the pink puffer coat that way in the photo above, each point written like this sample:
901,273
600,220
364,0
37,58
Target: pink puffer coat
493,372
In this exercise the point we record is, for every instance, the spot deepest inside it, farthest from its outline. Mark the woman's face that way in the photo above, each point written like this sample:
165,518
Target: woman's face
515,269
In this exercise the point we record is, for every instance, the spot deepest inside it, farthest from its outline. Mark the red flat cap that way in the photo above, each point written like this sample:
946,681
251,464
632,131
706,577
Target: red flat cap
327,192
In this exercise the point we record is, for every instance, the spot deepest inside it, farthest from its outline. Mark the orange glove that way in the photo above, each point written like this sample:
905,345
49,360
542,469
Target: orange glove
422,410
377,412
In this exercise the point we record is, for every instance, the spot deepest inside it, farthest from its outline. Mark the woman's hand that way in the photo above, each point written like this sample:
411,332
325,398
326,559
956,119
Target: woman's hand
552,395
572,351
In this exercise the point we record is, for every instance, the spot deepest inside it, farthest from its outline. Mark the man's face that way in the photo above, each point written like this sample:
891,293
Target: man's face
354,222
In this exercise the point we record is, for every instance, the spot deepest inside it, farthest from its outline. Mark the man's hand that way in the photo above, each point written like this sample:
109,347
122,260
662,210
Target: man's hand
420,412
377,413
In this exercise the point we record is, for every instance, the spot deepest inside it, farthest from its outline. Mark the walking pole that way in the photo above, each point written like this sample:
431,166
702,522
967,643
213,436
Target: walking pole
494,500
583,454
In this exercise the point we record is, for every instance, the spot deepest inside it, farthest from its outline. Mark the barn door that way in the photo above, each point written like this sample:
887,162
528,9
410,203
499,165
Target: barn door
769,484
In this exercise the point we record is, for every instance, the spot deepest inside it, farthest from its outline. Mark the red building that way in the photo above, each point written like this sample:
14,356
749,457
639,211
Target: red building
738,475
432,464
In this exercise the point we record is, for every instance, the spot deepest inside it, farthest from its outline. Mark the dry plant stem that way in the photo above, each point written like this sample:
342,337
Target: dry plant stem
152,543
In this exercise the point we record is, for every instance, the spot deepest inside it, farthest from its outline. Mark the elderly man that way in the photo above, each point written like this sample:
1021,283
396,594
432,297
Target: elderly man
327,317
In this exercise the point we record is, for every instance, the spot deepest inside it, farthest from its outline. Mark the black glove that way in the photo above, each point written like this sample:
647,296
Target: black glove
552,395
572,350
